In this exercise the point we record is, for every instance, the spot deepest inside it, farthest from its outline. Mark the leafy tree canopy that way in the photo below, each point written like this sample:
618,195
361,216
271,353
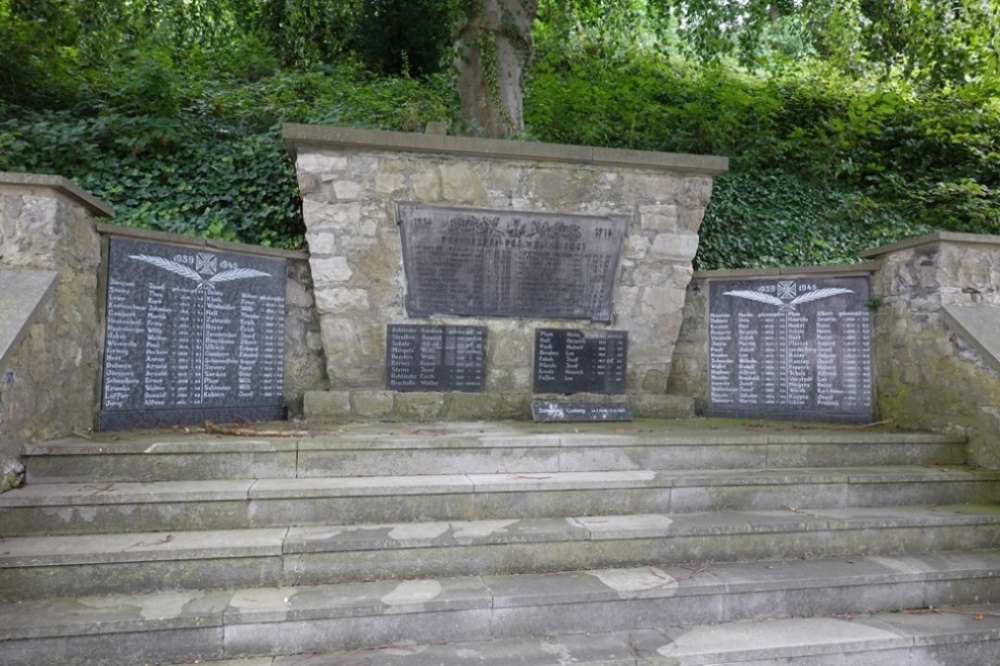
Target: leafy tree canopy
849,123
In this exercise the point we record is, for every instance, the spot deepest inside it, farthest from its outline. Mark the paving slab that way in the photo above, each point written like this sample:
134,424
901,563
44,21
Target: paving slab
596,650
380,449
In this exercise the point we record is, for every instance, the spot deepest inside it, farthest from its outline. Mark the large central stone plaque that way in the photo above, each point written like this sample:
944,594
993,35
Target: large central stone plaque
502,263
791,348
192,335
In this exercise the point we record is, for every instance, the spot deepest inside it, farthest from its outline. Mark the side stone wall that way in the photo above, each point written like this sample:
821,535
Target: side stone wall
350,181
936,337
50,379
933,369
49,386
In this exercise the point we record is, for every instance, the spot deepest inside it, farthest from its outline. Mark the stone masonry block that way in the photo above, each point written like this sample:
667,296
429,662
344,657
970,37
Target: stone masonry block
650,187
335,216
417,406
347,190
321,243
427,184
320,163
696,191
331,270
462,185
661,218
326,405
679,247
341,300
471,406
372,404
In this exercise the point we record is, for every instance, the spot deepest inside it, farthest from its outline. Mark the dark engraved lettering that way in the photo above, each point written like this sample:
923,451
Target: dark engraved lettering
192,334
790,348
510,264
580,411
435,358
574,361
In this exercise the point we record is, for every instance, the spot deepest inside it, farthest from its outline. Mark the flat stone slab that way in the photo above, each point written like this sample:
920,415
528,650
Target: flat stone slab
472,448
50,551
980,326
80,494
170,610
22,294
920,637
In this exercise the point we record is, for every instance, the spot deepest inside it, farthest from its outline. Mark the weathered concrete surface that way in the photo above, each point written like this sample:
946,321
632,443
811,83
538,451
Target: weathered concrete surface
242,504
144,562
467,609
351,179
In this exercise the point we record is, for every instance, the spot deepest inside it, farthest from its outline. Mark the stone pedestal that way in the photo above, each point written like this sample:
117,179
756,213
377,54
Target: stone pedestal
352,180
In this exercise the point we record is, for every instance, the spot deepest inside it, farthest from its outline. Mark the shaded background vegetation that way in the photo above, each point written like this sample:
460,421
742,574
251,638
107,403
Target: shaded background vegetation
844,131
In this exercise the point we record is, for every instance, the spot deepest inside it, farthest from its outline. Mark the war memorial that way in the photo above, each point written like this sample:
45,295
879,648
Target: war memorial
491,407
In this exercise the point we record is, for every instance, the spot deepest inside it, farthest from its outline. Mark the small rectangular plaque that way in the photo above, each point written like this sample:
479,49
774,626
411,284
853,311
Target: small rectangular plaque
191,335
550,412
795,348
435,358
504,263
574,361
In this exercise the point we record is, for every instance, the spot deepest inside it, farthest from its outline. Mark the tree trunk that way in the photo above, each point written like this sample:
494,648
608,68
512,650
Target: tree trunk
493,51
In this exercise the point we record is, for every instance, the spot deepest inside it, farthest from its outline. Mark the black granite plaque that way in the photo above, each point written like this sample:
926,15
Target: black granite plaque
574,361
435,358
792,348
503,263
553,412
191,335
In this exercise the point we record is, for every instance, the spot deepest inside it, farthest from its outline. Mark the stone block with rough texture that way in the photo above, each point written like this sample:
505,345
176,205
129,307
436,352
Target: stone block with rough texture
350,181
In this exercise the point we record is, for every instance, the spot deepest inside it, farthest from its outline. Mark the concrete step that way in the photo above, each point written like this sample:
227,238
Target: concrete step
475,449
40,567
676,601
967,636
243,504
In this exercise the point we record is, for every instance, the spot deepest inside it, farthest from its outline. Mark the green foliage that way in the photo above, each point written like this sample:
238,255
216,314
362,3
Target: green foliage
169,174
776,218
302,33
849,125
822,166
405,37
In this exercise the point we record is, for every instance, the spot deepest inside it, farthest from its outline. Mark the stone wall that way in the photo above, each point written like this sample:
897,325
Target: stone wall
936,337
934,370
49,385
350,181
50,380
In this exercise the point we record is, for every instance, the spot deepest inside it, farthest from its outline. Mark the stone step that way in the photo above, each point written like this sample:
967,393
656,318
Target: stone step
242,504
967,636
677,601
41,567
474,449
